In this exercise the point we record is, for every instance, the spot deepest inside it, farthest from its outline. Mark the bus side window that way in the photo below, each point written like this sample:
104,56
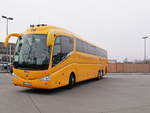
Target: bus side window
57,52
67,46
63,46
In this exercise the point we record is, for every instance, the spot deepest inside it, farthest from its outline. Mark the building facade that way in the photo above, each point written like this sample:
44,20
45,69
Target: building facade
5,52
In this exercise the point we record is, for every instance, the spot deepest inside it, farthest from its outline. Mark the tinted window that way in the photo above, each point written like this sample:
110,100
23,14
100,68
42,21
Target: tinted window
67,45
57,51
81,46
85,47
62,47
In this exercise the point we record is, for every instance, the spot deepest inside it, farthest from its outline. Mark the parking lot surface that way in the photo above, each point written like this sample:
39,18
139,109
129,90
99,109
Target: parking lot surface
116,93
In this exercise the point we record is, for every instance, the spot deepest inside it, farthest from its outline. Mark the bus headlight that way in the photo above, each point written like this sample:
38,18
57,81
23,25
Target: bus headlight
47,78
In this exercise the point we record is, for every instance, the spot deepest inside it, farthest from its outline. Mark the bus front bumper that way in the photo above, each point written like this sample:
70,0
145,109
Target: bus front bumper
32,83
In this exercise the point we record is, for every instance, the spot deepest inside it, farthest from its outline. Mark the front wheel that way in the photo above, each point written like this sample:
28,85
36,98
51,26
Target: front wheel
71,81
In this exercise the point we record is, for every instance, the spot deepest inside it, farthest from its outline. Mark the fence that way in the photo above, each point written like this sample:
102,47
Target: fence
118,68
128,68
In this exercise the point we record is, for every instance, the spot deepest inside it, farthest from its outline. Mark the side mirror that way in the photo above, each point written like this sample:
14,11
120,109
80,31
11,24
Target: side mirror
8,37
50,39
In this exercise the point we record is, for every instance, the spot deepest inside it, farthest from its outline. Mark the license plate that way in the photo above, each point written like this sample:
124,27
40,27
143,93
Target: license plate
27,83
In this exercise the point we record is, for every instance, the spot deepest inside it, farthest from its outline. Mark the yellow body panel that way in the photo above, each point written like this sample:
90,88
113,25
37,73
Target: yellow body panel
84,66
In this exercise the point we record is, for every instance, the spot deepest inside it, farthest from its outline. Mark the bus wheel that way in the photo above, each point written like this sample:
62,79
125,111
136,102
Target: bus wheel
99,75
103,73
71,81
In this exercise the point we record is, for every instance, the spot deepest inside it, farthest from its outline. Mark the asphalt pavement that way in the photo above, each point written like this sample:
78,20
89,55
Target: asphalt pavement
116,93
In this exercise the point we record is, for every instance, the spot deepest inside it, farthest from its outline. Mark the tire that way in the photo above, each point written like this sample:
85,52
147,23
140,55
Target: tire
71,81
103,73
99,75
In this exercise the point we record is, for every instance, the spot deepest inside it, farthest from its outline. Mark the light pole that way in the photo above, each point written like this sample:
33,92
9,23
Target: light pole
145,47
7,19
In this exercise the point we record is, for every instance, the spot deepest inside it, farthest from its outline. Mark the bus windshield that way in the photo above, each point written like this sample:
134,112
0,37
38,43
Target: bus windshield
32,53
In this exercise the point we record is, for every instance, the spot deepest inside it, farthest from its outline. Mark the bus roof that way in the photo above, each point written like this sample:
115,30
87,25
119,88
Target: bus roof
42,28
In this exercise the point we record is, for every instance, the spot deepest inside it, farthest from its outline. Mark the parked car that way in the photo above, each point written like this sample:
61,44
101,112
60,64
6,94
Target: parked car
6,66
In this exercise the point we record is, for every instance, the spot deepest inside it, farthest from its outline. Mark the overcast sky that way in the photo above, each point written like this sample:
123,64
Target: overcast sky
116,25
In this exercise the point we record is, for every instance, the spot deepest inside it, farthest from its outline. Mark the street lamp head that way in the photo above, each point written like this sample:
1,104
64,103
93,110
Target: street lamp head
10,18
145,37
4,17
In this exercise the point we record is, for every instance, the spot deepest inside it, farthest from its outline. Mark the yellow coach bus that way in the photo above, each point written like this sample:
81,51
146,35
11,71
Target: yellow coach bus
48,57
